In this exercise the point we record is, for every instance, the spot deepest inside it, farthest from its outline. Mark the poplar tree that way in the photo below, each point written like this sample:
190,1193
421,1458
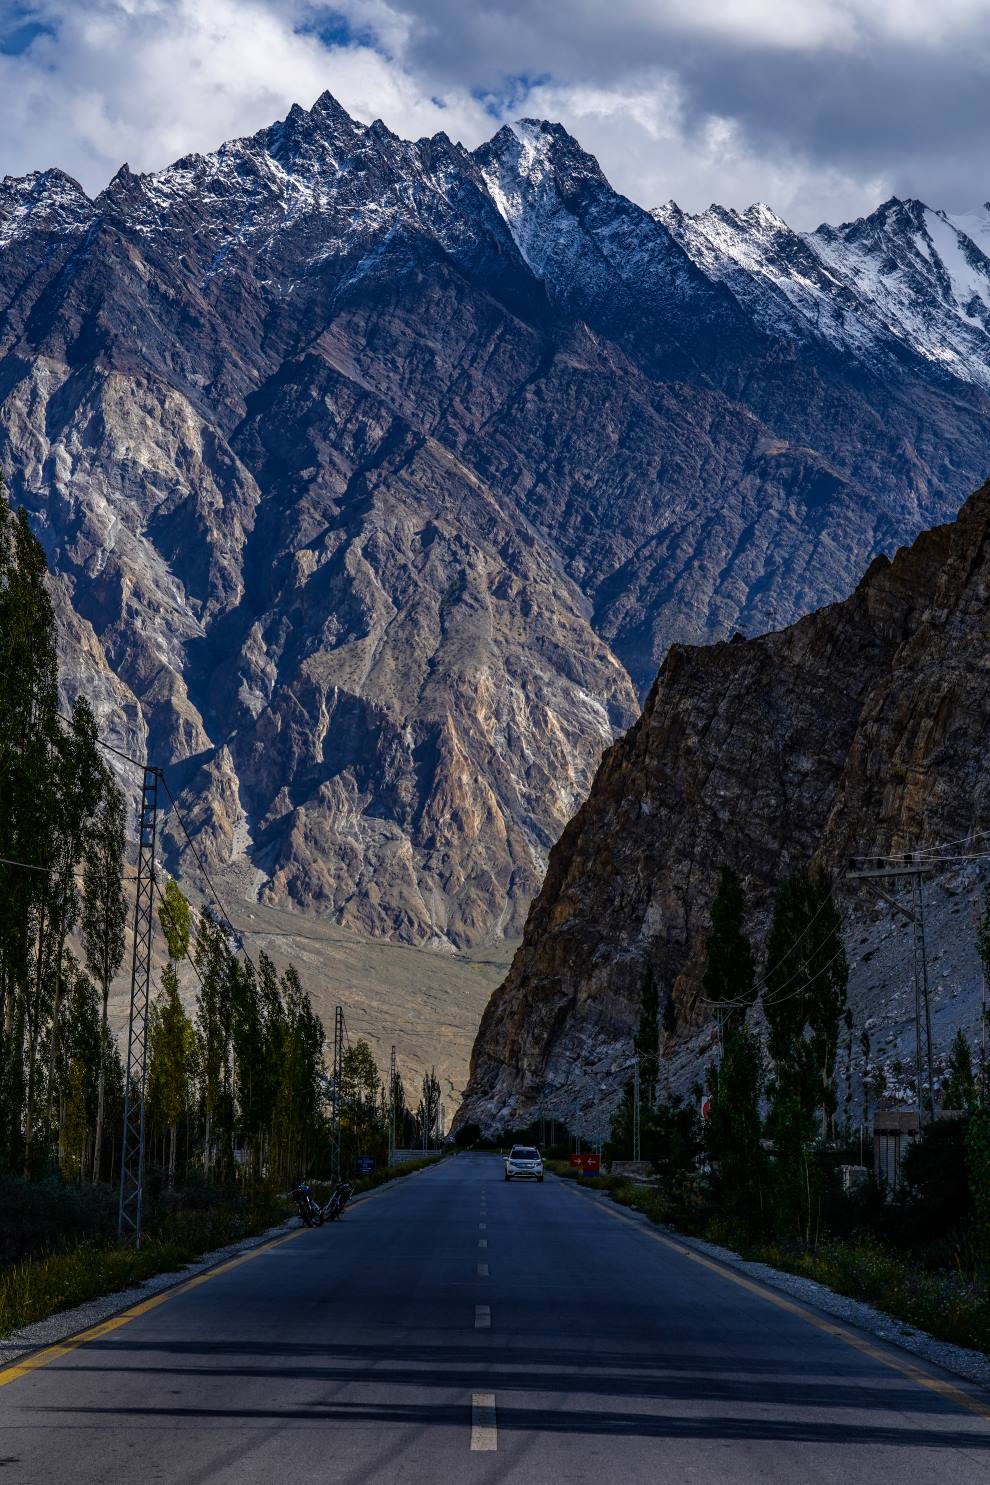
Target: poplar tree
28,788
249,1050
959,1092
804,1001
176,919
213,1030
104,919
736,1082
171,1059
429,1107
730,975
804,995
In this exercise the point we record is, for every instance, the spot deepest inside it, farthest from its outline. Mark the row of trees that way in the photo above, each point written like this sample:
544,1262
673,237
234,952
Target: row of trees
784,1093
61,864
773,1121
241,1086
237,1087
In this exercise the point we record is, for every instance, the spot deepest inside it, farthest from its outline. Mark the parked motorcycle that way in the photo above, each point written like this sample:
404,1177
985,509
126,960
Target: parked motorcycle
338,1201
309,1210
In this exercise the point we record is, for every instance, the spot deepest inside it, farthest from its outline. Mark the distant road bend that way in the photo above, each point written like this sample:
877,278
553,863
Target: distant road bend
454,1328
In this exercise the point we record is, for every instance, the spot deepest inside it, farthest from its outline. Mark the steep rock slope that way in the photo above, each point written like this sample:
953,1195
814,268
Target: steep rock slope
861,728
379,476
905,280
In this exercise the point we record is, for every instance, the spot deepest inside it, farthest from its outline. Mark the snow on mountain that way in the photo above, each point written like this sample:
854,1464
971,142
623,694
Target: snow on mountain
907,278
313,187
45,200
379,476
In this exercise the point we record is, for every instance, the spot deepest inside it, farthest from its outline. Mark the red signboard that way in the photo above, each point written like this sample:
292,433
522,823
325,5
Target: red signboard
590,1164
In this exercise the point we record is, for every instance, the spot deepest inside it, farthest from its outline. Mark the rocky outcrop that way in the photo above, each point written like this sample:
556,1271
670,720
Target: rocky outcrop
863,728
379,476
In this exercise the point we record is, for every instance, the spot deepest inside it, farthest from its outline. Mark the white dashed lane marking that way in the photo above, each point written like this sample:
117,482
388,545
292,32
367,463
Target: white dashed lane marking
484,1429
482,1242
482,1317
482,1270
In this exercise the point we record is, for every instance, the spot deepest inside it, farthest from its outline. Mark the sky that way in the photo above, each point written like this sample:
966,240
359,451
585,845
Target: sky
822,108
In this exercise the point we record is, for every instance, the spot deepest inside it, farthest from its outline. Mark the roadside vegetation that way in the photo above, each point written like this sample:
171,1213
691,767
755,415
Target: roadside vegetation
192,1224
762,1174
239,1104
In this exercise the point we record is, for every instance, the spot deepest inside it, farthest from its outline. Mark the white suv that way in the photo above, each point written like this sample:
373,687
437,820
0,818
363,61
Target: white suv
523,1163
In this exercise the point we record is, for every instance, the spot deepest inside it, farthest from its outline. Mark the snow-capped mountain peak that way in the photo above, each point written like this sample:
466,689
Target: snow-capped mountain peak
906,279
46,200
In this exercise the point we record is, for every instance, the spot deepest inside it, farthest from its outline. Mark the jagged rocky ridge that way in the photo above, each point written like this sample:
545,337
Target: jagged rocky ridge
378,477
863,728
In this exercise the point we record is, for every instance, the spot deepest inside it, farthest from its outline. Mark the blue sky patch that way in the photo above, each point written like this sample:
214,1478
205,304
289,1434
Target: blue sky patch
15,38
511,93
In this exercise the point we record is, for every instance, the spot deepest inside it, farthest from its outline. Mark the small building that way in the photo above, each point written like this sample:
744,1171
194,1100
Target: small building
893,1131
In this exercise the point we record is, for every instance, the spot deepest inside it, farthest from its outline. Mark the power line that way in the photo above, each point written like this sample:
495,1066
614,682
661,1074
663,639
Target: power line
206,876
927,852
825,902
109,746
77,871
779,999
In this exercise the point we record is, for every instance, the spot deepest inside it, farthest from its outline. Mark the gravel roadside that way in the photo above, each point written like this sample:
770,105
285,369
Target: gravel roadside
973,1366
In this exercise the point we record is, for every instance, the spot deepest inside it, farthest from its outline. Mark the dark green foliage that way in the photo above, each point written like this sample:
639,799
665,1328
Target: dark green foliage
804,996
53,787
735,1128
176,920
978,1170
730,975
48,1216
959,1091
937,1197
672,1138
804,1001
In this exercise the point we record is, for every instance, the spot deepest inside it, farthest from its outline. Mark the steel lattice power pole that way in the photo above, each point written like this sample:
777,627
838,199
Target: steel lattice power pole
338,1072
635,1110
136,1072
392,1075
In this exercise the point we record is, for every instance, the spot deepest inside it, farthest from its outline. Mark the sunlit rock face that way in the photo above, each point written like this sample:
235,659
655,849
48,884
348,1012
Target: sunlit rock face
861,729
379,476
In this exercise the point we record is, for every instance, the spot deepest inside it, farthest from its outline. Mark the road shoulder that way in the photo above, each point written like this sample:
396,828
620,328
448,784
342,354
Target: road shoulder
971,1366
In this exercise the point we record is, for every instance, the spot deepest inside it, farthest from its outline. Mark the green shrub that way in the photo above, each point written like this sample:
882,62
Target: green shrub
41,1287
38,1217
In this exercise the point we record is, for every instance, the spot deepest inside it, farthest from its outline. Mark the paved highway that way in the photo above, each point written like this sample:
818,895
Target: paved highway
456,1329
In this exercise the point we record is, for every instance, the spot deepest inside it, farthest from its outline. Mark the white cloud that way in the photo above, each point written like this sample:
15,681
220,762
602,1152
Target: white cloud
149,80
820,107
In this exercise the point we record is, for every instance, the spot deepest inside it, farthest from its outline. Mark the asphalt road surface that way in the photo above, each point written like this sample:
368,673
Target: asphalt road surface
455,1329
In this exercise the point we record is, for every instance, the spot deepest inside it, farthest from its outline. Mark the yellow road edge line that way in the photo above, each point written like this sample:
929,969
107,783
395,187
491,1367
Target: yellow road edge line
913,1373
95,1332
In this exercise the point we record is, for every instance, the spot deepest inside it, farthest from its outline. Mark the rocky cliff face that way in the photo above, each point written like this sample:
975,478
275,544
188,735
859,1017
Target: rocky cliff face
862,728
379,476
